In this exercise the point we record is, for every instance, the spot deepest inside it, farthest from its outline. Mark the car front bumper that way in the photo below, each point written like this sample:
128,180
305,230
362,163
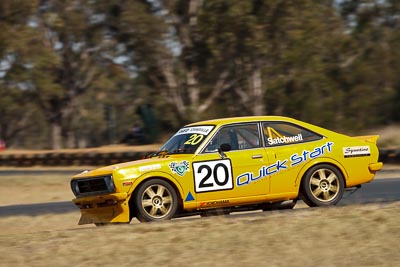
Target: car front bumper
103,209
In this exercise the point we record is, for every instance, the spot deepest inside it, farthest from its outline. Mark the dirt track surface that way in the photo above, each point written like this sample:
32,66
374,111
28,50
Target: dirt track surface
361,235
354,235
42,185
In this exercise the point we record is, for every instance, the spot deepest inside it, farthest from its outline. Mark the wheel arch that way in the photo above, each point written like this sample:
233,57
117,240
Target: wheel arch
320,161
146,178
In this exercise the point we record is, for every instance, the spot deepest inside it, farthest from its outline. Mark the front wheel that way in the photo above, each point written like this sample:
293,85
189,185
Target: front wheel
155,200
322,185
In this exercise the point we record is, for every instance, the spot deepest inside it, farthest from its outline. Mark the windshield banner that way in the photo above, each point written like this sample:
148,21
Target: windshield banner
205,130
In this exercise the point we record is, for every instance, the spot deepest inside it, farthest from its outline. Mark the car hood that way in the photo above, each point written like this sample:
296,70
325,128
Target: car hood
143,165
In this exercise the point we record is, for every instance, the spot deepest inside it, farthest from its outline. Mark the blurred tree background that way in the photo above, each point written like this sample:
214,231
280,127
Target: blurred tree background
80,73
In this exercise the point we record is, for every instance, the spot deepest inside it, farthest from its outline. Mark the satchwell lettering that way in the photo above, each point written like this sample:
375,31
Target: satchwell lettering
285,139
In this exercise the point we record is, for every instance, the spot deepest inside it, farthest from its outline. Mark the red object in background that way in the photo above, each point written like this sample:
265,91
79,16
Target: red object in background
2,145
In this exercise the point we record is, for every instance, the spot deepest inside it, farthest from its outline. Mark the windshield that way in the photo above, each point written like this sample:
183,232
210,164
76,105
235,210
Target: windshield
187,140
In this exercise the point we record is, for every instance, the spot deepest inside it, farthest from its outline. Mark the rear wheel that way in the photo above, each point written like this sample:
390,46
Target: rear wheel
322,185
155,200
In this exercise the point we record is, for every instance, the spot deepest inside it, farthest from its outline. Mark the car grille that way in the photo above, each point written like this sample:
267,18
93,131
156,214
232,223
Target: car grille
93,186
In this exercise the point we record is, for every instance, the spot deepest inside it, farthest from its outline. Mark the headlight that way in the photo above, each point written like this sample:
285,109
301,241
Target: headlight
93,186
75,187
110,183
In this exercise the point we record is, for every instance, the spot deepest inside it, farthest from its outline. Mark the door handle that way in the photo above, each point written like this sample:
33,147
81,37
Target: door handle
257,156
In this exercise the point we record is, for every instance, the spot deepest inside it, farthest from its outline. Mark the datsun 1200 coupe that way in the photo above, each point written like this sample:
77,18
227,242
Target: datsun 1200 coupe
228,165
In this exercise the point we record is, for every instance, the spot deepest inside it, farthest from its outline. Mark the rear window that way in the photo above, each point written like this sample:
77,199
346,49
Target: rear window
283,133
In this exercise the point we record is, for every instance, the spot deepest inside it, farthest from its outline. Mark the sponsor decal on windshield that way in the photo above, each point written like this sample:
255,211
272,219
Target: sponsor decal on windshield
356,151
284,139
195,130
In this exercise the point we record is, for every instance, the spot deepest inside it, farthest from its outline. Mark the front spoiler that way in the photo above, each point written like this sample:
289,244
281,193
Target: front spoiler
103,209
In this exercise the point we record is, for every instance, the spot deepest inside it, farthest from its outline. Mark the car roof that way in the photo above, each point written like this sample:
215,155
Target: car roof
224,121
243,119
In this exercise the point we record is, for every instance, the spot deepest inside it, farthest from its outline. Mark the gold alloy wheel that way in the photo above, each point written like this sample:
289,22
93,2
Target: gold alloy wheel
157,201
324,185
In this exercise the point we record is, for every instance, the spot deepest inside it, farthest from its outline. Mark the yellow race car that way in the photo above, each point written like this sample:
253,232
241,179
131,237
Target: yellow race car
226,165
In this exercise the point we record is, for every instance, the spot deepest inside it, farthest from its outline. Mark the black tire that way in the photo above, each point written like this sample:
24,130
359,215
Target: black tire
322,185
155,200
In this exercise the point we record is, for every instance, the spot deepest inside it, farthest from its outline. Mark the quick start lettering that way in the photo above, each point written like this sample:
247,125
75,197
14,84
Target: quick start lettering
295,159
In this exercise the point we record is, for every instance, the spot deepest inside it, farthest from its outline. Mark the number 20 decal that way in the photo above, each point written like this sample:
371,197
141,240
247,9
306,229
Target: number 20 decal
212,175
194,139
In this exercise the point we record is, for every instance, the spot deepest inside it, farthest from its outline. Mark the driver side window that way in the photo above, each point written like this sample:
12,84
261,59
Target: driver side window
239,137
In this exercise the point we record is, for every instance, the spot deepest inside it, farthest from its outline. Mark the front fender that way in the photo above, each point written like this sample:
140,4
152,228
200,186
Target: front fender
154,174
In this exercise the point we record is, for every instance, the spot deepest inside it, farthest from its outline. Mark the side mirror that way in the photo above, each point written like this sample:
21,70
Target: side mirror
224,148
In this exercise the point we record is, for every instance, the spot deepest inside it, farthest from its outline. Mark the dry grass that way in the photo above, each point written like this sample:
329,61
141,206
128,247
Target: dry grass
31,189
365,235
362,235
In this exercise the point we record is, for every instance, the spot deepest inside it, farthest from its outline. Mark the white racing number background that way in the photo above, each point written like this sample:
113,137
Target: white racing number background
213,175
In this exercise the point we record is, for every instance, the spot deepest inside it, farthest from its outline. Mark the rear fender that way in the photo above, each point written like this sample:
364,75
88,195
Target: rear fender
317,161
368,138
